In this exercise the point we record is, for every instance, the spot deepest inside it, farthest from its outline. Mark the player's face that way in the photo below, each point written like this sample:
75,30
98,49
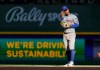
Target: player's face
66,11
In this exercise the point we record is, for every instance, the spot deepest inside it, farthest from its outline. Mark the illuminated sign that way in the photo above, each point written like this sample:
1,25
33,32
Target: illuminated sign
35,49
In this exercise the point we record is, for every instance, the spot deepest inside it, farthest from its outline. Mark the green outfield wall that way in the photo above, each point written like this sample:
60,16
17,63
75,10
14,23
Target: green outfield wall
45,18
37,51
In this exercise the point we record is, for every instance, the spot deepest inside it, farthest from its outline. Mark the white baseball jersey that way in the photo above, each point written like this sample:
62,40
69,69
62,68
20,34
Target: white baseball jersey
73,19
69,33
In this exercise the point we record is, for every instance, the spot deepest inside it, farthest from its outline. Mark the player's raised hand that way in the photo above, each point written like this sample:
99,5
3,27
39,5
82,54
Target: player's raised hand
62,14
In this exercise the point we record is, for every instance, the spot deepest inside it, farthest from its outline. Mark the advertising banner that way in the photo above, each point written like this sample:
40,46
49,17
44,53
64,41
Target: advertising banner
45,18
37,51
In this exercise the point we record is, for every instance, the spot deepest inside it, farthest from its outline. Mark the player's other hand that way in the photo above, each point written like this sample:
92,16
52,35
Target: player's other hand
65,24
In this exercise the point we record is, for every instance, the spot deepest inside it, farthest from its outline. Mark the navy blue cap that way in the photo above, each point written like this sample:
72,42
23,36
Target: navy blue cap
64,8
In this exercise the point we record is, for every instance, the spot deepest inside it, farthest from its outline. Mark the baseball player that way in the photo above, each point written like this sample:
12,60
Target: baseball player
69,34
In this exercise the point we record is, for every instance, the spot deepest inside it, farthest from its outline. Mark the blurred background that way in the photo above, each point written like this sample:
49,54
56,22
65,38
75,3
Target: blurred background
37,21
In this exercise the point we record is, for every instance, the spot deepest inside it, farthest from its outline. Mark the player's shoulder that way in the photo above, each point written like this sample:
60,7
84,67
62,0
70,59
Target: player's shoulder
73,15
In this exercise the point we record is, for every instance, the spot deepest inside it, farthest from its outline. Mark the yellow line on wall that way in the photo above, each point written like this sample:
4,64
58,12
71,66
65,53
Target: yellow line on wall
51,33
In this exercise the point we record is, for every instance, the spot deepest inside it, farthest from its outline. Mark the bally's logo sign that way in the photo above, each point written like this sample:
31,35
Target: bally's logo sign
18,14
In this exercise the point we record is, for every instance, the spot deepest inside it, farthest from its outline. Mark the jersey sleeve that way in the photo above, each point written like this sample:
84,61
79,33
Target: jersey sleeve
75,22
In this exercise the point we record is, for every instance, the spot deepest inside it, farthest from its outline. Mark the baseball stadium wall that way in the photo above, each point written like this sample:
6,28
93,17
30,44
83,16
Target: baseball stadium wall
45,18
31,34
